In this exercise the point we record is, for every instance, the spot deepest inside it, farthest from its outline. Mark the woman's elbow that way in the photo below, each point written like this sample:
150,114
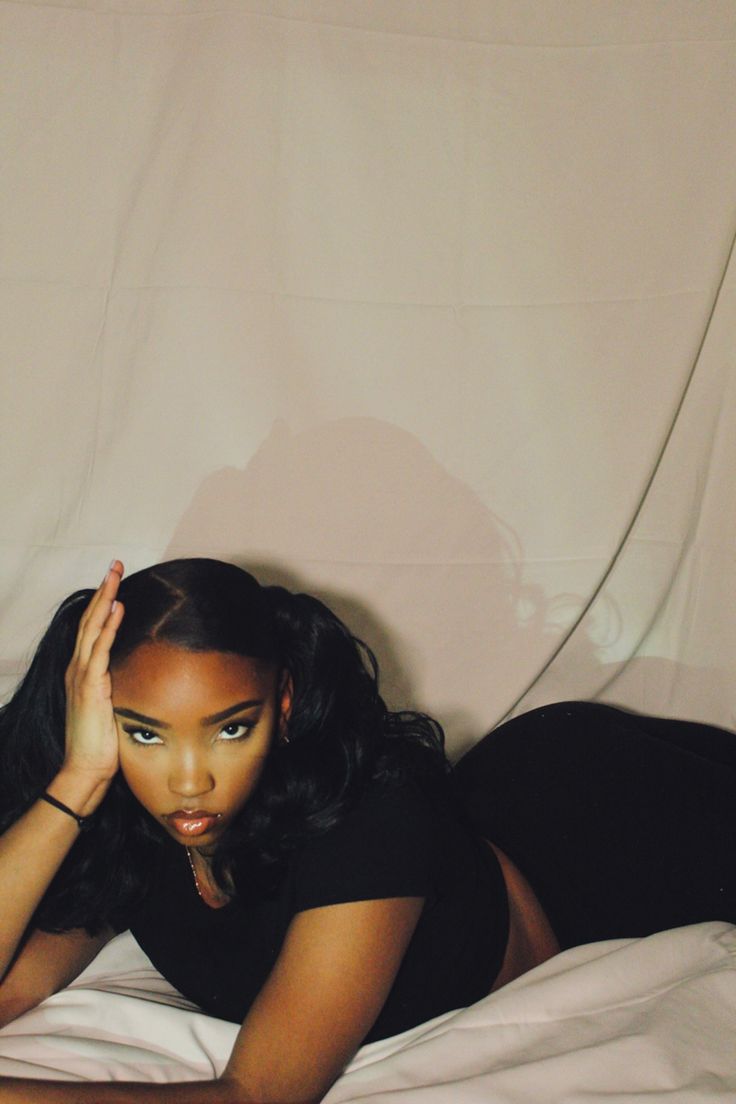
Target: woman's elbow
237,1092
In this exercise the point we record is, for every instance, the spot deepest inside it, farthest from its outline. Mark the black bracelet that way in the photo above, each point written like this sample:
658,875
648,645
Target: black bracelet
83,822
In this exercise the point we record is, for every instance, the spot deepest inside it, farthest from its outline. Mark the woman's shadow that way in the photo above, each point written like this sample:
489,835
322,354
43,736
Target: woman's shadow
357,506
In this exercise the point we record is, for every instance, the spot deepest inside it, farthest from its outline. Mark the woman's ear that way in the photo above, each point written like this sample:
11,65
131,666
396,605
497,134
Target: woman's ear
285,702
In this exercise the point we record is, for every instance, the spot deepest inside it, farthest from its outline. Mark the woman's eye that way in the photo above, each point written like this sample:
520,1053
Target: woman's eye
235,731
143,736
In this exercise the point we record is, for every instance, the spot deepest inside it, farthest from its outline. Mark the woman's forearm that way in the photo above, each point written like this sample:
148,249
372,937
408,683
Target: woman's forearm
33,849
19,1090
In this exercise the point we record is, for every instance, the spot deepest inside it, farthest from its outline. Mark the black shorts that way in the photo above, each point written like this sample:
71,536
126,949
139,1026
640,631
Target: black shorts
624,824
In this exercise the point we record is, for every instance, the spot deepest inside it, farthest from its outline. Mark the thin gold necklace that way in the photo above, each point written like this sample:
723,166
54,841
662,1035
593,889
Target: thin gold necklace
218,895
194,872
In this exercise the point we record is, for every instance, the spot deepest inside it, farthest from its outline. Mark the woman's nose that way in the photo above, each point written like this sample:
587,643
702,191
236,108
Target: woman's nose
190,776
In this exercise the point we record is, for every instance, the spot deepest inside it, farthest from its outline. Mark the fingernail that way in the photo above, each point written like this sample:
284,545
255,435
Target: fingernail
114,606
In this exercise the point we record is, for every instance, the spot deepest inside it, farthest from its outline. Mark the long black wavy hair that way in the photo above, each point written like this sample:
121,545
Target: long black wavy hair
341,736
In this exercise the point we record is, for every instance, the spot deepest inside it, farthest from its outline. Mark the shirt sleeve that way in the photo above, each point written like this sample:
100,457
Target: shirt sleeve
384,847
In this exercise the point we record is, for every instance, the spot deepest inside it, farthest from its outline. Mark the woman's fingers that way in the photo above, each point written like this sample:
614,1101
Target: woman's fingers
99,657
97,613
104,594
91,739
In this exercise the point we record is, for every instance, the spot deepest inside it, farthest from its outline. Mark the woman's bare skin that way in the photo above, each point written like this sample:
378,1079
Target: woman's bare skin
531,939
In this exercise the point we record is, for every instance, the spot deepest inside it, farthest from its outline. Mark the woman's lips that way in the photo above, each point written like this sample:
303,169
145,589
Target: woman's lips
192,824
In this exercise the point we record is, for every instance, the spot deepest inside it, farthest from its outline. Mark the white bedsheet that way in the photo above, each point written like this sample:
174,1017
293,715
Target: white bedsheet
629,1020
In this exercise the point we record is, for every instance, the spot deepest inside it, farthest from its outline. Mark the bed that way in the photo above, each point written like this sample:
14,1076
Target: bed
649,1019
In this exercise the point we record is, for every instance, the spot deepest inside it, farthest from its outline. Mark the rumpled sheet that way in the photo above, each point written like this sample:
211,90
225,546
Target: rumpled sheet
628,1020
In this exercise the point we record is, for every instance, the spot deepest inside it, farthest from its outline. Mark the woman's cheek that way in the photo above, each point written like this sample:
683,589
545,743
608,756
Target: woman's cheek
138,779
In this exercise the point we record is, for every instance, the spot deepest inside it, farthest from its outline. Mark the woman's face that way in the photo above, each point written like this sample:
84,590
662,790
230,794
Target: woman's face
194,730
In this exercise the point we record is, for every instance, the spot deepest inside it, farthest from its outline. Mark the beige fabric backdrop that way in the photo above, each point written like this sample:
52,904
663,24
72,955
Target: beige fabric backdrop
423,305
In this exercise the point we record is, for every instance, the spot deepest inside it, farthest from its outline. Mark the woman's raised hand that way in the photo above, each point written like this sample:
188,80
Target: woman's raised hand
33,848
91,737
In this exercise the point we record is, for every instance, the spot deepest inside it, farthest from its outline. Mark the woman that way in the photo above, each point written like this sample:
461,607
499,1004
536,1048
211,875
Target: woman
209,762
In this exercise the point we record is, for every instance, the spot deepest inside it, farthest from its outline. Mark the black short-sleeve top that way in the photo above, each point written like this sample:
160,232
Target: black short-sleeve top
394,843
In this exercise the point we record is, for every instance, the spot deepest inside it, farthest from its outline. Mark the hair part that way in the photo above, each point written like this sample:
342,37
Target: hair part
202,605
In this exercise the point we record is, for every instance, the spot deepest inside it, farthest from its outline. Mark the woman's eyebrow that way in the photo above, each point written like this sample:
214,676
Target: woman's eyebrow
212,719
215,717
133,716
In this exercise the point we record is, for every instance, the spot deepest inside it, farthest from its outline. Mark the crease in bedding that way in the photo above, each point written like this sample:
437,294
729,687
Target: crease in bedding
651,1019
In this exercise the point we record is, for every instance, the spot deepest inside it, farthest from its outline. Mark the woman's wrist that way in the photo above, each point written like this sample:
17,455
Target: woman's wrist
81,793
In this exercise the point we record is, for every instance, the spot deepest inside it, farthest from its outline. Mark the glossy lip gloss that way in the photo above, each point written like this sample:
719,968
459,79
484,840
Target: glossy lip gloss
194,823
